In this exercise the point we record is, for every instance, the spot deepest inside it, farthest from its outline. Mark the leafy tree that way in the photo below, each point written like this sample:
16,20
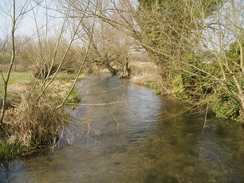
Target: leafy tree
169,28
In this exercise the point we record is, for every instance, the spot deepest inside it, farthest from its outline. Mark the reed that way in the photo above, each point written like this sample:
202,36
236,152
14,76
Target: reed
142,72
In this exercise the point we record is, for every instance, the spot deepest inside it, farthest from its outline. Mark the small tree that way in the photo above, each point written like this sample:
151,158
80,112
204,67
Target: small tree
37,117
5,78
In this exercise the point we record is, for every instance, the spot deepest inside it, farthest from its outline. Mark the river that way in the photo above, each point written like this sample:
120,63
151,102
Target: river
124,133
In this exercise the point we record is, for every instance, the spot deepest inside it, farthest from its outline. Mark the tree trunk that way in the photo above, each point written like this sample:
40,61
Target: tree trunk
111,69
126,71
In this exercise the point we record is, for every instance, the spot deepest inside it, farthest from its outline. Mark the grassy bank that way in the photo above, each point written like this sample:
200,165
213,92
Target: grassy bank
30,124
17,77
145,72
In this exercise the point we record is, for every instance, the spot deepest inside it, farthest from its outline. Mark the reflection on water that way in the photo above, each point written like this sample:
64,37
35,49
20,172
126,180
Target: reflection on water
125,133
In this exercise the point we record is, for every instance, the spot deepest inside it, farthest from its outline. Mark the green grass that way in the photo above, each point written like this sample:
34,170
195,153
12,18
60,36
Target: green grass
10,150
19,77
15,77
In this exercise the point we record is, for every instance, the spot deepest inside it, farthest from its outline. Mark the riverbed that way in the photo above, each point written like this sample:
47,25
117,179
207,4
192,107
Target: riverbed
125,133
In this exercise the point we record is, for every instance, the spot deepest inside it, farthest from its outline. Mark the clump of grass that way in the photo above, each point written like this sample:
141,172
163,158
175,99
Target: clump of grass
74,97
59,90
33,124
11,150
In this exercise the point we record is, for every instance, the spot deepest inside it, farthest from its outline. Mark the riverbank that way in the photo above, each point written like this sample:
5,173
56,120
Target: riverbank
142,74
30,124
146,72
143,71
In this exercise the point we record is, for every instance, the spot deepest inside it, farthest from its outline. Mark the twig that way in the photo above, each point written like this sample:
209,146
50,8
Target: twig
101,104
114,118
205,118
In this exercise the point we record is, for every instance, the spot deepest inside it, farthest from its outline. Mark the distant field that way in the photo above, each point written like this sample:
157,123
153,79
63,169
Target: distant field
18,77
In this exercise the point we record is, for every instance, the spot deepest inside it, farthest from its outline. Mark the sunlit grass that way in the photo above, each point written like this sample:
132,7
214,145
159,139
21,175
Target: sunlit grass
142,72
19,77
68,77
15,77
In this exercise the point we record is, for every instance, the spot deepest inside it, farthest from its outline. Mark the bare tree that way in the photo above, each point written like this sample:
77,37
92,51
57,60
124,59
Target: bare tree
36,117
110,47
220,73
15,17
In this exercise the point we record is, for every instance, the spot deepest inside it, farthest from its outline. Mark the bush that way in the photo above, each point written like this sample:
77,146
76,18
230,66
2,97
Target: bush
224,106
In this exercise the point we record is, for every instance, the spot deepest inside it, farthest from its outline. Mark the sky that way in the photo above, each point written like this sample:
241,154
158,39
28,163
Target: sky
27,25
29,17
24,24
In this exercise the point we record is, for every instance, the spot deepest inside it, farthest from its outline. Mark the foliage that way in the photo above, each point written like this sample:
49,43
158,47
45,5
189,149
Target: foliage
152,84
155,86
74,97
158,92
11,150
235,56
224,106
168,27
178,85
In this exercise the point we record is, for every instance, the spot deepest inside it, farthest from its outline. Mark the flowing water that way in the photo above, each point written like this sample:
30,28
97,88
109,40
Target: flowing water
124,133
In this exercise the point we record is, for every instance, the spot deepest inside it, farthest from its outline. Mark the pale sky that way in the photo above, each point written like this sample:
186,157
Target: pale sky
26,24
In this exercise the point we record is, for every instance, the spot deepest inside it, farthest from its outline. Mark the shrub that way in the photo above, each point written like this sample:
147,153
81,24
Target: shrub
224,106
